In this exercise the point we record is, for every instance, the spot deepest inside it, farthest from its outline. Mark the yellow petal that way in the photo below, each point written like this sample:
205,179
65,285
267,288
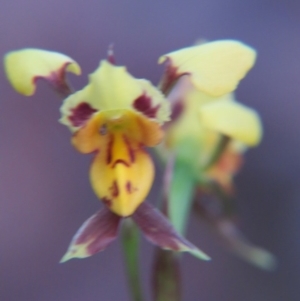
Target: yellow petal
89,139
122,174
23,67
234,120
215,68
94,134
113,88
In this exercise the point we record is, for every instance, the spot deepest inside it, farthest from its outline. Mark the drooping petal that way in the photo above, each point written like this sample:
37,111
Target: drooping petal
113,88
159,231
94,235
122,174
215,67
224,226
236,242
234,120
24,67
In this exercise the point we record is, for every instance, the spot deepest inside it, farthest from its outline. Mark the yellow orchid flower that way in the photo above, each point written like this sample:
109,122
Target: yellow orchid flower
207,137
115,117
199,81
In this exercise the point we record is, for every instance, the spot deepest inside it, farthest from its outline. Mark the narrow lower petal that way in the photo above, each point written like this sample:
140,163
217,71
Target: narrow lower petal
246,250
232,119
223,222
24,67
159,231
94,235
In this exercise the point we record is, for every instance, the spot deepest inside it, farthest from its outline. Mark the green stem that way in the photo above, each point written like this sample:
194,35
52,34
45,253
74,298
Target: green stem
130,242
166,276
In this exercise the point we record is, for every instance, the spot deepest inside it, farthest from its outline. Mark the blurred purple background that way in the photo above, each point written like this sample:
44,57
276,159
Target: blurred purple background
45,194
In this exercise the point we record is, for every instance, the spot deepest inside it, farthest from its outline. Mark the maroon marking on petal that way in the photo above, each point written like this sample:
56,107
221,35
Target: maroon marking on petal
114,189
128,187
81,114
169,78
107,201
109,149
98,231
130,150
157,229
120,161
57,81
144,105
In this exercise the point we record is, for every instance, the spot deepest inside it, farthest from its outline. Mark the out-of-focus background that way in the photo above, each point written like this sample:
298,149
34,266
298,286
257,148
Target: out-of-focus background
45,194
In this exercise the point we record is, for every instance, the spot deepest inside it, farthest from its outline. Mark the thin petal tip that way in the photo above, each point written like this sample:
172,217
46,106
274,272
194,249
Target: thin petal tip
66,257
263,259
197,253
75,252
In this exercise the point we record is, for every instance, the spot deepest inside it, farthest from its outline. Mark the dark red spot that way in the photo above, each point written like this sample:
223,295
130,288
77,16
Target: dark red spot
81,114
109,149
128,187
144,105
114,189
130,150
107,201
121,162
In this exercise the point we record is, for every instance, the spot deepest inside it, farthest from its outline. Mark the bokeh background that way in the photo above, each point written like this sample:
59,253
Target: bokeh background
45,194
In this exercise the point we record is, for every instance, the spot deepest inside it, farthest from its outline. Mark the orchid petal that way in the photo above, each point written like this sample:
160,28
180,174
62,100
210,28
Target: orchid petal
122,174
240,246
215,67
113,88
159,231
234,120
94,235
24,67
93,134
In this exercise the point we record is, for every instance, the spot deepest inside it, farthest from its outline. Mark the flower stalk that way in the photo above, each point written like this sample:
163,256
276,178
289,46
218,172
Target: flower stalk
130,245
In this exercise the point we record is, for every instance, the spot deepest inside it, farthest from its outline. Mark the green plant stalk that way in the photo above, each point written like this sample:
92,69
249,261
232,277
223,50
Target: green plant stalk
166,276
130,242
